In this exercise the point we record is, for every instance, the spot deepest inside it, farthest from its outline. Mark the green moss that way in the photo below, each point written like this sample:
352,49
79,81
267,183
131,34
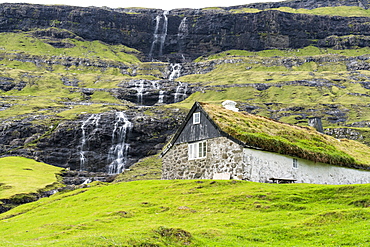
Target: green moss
23,42
347,11
104,97
245,10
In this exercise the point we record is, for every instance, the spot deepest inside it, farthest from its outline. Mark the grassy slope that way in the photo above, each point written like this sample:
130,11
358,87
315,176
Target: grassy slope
44,88
339,89
21,175
348,11
148,168
215,213
24,42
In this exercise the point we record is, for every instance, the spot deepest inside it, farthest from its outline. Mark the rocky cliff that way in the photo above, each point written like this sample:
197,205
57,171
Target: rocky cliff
71,95
189,33
95,142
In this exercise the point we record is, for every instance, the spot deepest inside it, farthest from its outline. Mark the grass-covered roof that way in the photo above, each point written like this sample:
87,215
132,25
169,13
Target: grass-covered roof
302,142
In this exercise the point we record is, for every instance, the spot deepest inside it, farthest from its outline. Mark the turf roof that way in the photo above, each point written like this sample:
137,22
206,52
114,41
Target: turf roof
302,142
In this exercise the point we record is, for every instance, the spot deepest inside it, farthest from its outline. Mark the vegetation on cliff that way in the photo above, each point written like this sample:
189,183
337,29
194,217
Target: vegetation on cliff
348,11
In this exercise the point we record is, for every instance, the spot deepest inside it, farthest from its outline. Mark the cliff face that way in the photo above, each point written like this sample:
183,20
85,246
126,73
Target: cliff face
110,113
106,142
185,33
307,4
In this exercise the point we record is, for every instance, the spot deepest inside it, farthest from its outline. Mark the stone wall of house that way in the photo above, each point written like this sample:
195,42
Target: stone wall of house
224,159
265,165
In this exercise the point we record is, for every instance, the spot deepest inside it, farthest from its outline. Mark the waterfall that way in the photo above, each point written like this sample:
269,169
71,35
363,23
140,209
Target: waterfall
164,33
92,121
161,97
175,71
160,34
180,93
139,87
182,32
155,84
117,155
183,28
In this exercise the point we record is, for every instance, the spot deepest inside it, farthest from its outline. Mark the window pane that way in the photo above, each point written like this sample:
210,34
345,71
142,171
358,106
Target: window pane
196,118
204,149
190,151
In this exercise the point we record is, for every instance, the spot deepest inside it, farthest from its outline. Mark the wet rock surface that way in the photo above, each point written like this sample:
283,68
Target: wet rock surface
62,143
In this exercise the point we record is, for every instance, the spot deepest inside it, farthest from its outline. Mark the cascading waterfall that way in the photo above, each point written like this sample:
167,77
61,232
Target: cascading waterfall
117,155
175,71
91,123
160,34
180,93
155,35
160,93
183,28
139,87
161,97
182,32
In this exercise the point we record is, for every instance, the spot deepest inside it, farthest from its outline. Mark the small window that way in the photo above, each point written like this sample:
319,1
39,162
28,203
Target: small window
295,163
197,150
196,118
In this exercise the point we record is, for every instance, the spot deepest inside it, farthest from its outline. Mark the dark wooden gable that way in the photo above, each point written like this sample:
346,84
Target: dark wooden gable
192,132
206,129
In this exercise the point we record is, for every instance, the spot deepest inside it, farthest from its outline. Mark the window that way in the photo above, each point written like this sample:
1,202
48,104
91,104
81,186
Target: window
196,118
197,150
295,163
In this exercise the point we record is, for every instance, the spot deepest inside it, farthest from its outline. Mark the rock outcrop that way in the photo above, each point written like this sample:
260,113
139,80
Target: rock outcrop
185,34
86,143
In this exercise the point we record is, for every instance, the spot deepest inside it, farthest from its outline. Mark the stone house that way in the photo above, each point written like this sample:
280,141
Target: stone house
217,142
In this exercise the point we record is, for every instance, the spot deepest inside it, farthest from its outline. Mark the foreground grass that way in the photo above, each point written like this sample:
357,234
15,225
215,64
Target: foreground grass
148,168
21,175
193,213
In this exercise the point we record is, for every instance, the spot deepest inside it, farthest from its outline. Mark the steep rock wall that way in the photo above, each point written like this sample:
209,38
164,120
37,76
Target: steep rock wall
185,33
62,143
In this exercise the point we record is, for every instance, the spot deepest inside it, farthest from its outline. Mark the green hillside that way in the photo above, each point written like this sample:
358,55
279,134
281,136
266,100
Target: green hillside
20,175
193,213
52,79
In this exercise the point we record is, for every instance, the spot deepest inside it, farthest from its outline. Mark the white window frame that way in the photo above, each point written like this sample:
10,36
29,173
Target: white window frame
197,150
196,118
295,163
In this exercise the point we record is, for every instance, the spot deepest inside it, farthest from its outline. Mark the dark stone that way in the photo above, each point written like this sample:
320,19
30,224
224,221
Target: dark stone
191,33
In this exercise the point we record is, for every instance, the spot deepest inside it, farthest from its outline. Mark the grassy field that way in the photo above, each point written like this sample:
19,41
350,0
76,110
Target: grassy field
148,168
21,175
193,213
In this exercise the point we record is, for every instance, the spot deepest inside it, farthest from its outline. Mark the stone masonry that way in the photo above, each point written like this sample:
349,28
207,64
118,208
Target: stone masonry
223,156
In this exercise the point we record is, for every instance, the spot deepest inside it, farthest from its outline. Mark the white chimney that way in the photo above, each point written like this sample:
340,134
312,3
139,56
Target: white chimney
230,105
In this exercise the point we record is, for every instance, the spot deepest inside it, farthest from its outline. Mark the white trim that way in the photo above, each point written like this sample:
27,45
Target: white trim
295,163
197,150
196,118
